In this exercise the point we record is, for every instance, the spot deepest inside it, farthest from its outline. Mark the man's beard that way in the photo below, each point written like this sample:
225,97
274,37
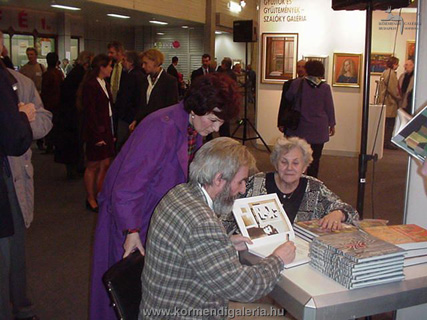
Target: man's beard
223,202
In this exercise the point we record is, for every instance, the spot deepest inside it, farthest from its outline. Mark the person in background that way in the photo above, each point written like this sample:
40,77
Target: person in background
314,101
303,197
191,263
98,127
66,66
159,90
284,103
15,139
116,53
251,83
4,54
389,96
33,69
172,68
129,98
206,68
68,136
51,93
155,158
406,86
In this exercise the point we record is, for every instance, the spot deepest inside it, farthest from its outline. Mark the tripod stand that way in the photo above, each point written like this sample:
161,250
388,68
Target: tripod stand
245,121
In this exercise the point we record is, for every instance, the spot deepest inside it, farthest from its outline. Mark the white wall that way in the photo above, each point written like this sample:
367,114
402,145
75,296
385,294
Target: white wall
225,47
324,32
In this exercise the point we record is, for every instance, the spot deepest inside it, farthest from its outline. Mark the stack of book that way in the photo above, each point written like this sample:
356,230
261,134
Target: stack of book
308,230
357,259
410,237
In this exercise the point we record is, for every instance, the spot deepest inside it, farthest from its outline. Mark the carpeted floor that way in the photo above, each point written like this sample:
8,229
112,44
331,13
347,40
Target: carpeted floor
59,240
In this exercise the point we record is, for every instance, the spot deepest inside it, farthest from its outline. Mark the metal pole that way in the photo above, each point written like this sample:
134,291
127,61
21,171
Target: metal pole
363,157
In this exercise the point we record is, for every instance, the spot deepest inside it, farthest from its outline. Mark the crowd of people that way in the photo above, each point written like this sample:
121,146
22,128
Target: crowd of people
126,123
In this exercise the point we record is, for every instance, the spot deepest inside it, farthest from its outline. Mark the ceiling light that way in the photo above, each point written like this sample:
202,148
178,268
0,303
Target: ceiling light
158,22
160,33
58,6
218,32
120,16
243,3
234,7
184,27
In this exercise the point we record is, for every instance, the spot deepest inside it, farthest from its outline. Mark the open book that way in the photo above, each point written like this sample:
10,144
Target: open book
264,221
413,136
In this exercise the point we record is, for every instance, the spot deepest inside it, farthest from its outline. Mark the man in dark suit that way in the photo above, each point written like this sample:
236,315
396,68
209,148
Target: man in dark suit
204,69
129,98
159,89
15,139
172,68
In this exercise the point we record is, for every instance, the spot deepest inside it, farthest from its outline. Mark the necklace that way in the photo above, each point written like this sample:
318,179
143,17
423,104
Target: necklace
288,195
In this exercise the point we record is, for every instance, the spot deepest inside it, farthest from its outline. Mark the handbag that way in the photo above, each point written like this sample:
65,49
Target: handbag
291,117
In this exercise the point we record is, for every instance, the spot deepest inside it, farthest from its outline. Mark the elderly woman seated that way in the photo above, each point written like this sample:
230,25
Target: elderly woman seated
303,197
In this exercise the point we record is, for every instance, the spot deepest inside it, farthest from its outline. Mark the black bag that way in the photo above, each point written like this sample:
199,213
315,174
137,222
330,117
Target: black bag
291,117
123,283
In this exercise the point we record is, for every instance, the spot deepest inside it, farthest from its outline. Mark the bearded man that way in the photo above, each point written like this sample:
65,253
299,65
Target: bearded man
191,267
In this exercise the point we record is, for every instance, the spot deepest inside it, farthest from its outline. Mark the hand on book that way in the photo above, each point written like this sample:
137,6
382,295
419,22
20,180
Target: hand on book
286,252
133,242
239,242
332,220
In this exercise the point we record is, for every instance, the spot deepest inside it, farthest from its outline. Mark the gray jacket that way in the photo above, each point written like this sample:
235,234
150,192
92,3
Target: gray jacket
22,168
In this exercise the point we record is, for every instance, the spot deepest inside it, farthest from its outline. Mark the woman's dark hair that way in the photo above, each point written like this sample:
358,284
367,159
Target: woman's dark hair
214,90
392,61
315,68
101,60
52,59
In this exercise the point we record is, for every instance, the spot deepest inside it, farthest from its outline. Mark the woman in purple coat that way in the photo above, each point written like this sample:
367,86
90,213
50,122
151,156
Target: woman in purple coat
154,159
314,100
97,127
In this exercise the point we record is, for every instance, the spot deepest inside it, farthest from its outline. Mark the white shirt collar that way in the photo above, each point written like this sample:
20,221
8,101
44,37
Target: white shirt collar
208,197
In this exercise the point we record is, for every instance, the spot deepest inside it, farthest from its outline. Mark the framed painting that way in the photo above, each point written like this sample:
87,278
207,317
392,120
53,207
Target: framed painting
347,70
322,59
410,50
279,57
379,62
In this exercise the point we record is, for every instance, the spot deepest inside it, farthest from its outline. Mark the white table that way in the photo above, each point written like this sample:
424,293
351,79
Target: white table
309,295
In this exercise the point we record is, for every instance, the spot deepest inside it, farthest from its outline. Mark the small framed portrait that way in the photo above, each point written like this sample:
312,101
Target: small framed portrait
379,62
322,59
279,57
410,50
347,70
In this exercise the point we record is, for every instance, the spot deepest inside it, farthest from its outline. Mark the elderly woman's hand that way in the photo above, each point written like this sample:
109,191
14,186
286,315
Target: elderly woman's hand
333,220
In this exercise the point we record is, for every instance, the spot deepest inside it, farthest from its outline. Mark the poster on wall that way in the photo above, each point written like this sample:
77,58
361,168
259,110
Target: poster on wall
279,57
323,59
347,70
410,50
379,62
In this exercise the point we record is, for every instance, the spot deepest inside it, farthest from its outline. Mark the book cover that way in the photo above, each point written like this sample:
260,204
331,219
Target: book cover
313,228
264,221
406,236
358,246
413,136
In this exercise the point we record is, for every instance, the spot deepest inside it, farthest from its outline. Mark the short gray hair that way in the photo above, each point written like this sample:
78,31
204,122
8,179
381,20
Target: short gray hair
284,145
221,155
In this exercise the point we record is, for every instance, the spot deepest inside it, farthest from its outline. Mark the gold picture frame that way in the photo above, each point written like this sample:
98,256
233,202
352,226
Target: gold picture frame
347,71
279,57
410,50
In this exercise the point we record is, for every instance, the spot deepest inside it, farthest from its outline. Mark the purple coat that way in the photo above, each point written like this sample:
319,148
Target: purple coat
153,160
317,111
